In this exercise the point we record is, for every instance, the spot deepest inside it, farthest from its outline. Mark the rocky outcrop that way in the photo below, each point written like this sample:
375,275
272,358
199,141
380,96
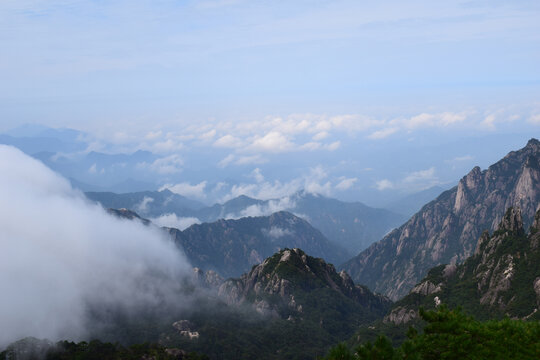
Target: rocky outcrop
400,315
501,278
446,230
289,284
207,279
124,213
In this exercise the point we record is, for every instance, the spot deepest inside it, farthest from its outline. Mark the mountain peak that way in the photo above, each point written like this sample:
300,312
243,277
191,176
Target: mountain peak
447,229
512,221
533,143
291,284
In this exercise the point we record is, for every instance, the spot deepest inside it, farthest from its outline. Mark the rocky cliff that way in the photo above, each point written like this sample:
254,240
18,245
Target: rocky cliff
502,278
446,230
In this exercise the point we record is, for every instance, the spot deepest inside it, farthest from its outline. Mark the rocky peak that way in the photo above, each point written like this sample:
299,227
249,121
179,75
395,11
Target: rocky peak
285,281
473,178
503,276
447,229
512,222
533,144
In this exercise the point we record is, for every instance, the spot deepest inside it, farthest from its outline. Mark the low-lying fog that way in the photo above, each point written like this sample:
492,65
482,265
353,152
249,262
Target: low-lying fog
61,255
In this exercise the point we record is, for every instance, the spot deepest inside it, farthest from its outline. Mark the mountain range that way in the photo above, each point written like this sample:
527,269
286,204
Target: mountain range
501,278
350,225
446,230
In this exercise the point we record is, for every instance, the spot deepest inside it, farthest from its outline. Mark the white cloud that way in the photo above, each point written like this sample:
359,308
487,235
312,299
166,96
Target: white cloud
381,134
241,160
421,120
346,183
209,135
268,208
93,169
173,221
257,175
276,232
489,122
247,160
187,190
384,185
463,158
422,175
153,135
228,141
171,164
320,136
333,146
142,207
312,182
226,161
311,146
534,119
273,141
167,146
63,256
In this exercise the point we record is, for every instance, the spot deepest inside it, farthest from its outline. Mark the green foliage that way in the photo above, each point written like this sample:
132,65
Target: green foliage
30,349
450,334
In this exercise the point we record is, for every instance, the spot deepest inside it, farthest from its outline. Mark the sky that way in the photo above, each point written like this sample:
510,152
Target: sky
353,99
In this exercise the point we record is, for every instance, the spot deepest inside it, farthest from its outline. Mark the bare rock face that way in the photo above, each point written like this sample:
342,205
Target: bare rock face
426,288
447,229
502,277
207,279
536,286
400,315
283,283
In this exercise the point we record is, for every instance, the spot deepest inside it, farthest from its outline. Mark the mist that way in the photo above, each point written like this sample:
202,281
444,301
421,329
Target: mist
62,256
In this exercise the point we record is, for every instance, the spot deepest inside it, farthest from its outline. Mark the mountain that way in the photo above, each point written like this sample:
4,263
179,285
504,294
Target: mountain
294,286
232,247
351,225
501,278
147,203
446,230
234,208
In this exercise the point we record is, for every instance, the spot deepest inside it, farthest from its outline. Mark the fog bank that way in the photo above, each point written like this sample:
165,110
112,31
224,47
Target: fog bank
61,255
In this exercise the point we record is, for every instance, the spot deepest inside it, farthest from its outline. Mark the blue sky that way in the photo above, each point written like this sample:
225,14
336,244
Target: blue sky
252,83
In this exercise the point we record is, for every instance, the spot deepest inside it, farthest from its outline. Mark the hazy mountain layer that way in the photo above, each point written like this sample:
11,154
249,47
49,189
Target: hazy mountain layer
232,247
147,203
446,230
350,225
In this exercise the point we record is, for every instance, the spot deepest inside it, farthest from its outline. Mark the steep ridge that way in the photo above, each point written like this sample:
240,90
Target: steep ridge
502,278
232,247
294,286
446,229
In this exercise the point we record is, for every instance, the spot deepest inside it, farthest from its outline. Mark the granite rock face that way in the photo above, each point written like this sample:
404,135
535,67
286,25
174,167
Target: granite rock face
446,230
289,283
501,278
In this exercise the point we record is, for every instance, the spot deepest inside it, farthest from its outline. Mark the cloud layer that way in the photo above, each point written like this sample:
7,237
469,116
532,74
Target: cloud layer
62,256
